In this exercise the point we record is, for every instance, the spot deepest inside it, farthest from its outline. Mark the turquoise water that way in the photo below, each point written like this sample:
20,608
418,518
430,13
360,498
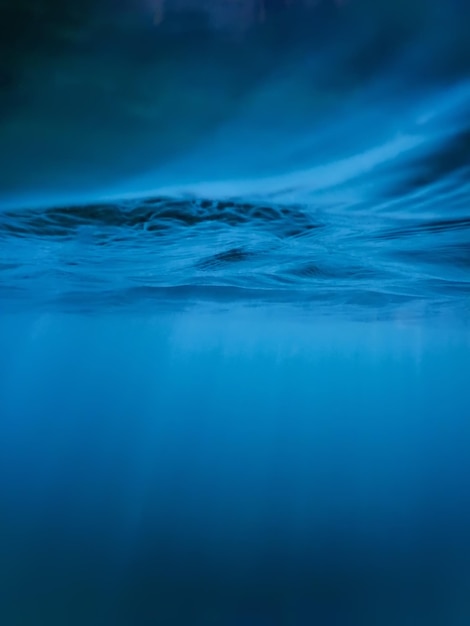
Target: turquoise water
234,319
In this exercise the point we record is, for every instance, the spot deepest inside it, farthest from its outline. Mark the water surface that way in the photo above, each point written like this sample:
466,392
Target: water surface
234,316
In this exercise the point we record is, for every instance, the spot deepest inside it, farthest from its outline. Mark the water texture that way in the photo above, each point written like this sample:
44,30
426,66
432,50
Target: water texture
319,159
234,313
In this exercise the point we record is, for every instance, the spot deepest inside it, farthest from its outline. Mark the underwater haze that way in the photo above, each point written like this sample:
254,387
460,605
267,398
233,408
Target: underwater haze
234,313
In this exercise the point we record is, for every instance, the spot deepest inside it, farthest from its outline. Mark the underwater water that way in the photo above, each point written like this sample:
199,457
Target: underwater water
234,313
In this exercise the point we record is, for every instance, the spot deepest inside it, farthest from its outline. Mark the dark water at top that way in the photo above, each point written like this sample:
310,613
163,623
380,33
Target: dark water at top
320,159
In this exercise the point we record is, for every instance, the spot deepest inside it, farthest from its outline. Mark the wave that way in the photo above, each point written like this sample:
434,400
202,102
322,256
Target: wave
164,252
319,159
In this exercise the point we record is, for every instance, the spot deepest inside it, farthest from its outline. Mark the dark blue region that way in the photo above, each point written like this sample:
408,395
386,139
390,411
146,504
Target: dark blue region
215,469
94,98
234,304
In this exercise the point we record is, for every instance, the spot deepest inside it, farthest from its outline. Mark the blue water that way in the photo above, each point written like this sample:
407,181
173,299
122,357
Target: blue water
235,320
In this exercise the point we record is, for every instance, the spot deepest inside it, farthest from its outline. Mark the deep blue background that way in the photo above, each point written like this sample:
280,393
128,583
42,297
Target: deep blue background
233,468
234,315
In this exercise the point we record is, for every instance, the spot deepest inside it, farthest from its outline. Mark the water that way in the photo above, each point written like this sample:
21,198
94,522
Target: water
325,169
234,317
160,253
